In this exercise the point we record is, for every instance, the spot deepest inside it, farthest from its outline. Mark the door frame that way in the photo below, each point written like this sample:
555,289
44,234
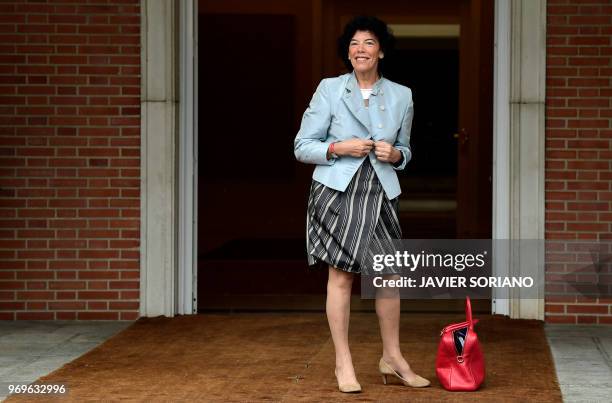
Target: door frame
518,148
188,159
168,216
518,152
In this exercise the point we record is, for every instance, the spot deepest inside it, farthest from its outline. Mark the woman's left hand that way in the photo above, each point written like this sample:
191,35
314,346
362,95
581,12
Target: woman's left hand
386,152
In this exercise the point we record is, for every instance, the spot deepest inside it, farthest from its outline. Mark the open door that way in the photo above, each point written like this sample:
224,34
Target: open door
474,134
252,194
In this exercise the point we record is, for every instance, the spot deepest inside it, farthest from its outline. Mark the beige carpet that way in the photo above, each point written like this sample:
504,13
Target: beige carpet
289,357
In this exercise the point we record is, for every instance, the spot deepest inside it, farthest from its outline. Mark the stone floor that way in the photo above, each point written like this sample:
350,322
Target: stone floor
583,360
30,349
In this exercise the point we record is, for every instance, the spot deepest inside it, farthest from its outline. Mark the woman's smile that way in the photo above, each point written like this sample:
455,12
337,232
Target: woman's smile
364,52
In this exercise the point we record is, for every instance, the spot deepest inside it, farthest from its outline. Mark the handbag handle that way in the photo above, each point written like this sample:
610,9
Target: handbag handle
468,311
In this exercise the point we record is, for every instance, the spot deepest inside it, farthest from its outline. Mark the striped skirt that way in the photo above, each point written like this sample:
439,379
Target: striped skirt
344,228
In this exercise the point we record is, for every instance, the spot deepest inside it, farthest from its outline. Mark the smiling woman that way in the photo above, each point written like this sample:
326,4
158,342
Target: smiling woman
364,52
356,131
377,40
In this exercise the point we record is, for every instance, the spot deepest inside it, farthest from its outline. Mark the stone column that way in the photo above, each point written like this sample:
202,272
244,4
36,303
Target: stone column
159,225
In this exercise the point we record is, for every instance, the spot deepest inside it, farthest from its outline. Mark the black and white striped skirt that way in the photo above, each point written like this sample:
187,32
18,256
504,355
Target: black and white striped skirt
342,228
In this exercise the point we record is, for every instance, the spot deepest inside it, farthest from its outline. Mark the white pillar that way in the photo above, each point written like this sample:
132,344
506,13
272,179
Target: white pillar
188,159
158,267
501,145
519,147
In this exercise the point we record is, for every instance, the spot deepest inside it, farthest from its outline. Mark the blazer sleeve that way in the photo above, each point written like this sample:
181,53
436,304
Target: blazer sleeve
311,143
402,142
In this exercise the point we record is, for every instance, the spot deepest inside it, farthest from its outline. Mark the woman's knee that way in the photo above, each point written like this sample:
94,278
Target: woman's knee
388,292
340,279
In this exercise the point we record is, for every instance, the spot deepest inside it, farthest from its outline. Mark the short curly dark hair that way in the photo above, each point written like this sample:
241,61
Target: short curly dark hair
373,25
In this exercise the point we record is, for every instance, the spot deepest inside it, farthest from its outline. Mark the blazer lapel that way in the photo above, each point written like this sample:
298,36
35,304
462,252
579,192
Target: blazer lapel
354,102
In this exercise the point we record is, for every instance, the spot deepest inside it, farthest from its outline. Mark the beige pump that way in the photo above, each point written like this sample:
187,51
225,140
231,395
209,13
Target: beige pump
348,387
385,369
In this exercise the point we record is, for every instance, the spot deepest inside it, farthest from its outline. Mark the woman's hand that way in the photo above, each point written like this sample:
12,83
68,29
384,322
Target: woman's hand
386,152
353,147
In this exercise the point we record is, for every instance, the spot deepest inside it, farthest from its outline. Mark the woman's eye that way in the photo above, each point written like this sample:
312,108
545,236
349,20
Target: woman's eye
367,43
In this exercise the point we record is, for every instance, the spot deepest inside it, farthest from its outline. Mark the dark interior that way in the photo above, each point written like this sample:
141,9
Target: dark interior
252,192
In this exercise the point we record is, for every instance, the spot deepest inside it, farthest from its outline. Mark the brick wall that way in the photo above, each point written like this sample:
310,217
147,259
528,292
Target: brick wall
578,154
69,159
70,147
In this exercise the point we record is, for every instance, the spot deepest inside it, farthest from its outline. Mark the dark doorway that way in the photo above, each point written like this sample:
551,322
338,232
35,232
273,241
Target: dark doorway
250,237
259,65
429,66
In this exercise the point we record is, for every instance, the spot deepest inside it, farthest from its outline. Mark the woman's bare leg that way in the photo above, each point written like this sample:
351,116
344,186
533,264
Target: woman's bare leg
388,311
338,307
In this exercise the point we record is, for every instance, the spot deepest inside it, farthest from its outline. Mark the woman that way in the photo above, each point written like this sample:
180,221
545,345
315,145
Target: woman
357,130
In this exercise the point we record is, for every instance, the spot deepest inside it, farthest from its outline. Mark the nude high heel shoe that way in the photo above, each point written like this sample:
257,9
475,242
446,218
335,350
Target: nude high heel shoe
348,387
385,369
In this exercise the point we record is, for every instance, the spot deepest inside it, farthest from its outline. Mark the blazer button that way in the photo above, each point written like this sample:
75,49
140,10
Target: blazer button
380,126
374,161
382,107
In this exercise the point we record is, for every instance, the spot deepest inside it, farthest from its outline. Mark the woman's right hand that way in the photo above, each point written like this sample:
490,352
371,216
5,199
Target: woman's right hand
353,147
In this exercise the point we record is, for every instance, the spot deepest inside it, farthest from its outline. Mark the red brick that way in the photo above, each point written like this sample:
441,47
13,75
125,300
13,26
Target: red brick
65,275
66,295
65,315
98,254
97,244
124,305
124,265
36,306
124,284
594,309
106,295
130,275
97,285
591,227
98,265
589,20
97,305
35,254
109,275
13,306
588,144
130,315
561,195
130,294
560,319
68,243
98,315
588,206
66,305
35,315
39,275
35,295
588,165
592,185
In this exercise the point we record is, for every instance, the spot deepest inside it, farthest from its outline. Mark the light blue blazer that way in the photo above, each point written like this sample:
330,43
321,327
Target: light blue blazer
337,112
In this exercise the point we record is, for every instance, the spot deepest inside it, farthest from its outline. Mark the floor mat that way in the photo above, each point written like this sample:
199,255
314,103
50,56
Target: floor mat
289,357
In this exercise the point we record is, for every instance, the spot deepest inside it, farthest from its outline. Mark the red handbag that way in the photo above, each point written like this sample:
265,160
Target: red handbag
460,363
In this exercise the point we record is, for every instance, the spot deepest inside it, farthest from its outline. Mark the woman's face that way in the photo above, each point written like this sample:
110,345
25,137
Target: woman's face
364,52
